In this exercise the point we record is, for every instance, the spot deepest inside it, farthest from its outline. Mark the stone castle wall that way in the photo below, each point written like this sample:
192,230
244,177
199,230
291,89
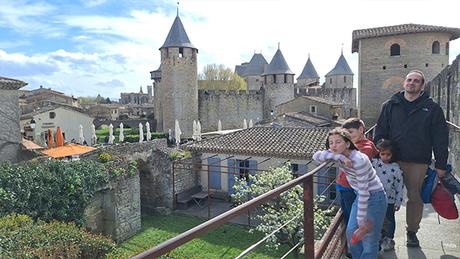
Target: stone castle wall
445,90
10,140
381,75
230,107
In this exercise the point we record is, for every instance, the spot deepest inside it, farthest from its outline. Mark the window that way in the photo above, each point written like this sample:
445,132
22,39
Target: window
285,78
52,115
312,109
244,169
344,79
265,79
181,52
330,81
395,50
274,79
447,48
426,64
405,65
435,47
294,168
384,67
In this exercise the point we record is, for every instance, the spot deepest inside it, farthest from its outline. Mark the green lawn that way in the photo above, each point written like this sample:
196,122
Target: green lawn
227,241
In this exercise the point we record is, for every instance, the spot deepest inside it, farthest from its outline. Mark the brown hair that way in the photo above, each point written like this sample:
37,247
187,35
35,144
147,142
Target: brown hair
344,134
353,123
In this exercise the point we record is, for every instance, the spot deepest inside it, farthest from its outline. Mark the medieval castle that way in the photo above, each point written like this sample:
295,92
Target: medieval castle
386,54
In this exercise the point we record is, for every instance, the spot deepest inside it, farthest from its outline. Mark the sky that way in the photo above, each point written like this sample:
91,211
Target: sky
90,47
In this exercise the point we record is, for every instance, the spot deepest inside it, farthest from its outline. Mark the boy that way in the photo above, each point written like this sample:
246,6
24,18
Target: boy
355,127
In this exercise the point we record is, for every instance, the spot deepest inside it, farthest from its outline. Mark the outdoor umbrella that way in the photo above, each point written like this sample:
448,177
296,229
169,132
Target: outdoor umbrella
147,129
50,138
141,132
111,137
93,135
198,131
194,130
177,132
121,138
59,138
82,138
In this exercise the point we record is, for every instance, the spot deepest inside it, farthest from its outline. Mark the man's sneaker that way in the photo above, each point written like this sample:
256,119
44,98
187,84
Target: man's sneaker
388,244
412,240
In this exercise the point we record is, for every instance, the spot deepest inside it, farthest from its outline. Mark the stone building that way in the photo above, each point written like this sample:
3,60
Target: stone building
10,140
387,54
176,94
32,100
137,98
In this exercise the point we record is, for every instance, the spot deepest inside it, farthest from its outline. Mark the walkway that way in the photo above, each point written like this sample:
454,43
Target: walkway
438,239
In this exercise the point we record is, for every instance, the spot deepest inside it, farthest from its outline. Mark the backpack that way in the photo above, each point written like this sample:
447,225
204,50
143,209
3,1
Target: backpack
429,184
443,202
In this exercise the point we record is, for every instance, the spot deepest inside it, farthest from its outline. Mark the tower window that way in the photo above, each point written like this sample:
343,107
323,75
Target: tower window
384,67
181,52
344,79
285,78
274,79
435,47
405,65
312,109
395,50
330,81
447,48
426,64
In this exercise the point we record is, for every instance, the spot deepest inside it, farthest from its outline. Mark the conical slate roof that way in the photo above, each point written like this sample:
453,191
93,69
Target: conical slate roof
256,66
177,37
278,65
341,68
308,71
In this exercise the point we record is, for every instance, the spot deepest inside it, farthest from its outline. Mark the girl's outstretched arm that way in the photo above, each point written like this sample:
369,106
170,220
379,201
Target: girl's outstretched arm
325,155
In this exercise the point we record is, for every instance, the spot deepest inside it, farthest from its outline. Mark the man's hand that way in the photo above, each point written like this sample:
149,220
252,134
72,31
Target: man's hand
441,173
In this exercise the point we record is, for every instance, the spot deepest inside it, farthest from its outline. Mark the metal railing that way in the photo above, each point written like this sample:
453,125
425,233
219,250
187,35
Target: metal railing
308,217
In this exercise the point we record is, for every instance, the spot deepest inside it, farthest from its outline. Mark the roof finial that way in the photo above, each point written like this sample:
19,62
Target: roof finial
308,55
341,52
177,8
278,45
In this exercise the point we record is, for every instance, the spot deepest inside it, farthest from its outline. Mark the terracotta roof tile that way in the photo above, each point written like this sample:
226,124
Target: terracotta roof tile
287,143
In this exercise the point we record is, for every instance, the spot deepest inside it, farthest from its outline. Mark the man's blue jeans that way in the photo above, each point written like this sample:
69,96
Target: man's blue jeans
376,210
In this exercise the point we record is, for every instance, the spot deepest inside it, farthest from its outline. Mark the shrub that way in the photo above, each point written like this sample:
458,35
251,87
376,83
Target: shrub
22,238
51,190
180,154
104,157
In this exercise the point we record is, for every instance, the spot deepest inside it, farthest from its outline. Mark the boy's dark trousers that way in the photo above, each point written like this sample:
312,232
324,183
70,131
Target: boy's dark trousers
347,197
389,224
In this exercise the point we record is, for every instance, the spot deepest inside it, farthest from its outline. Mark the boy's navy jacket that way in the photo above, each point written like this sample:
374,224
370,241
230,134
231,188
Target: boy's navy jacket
416,133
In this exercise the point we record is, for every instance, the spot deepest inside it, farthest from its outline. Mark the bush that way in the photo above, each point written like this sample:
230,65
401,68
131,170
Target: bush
104,157
53,190
180,154
22,238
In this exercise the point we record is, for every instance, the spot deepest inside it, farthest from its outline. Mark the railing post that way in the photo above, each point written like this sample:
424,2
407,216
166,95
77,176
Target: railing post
308,233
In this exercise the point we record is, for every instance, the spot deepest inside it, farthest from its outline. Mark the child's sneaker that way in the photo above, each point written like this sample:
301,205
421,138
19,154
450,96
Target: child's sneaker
388,244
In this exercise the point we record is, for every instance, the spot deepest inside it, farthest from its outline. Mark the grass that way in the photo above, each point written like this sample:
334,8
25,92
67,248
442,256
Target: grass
227,241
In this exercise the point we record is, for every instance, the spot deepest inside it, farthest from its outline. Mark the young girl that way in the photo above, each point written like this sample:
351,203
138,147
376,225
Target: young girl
370,204
391,177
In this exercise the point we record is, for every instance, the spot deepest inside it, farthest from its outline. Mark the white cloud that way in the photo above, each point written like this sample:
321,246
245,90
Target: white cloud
93,3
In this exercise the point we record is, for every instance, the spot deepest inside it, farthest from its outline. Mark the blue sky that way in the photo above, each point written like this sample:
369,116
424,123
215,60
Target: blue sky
86,47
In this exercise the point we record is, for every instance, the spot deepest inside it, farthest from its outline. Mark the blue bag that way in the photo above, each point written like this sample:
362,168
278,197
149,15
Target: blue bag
429,183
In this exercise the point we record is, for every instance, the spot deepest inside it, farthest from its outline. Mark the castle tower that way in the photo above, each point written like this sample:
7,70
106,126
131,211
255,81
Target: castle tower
308,77
252,71
150,93
278,84
176,88
340,76
387,54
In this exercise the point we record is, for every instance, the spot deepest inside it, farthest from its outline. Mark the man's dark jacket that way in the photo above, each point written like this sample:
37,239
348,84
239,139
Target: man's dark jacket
415,133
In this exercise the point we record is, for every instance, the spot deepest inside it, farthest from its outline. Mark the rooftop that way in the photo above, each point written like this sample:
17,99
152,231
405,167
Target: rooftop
177,37
278,65
10,84
398,30
286,143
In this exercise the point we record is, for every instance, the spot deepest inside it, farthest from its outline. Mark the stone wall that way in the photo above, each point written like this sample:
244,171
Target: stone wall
445,90
10,138
230,107
115,210
381,75
344,96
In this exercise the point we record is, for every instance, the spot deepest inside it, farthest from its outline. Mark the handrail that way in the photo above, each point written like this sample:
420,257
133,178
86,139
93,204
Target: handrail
247,206
456,127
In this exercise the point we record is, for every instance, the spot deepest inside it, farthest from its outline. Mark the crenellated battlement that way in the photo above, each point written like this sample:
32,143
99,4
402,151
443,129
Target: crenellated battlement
229,93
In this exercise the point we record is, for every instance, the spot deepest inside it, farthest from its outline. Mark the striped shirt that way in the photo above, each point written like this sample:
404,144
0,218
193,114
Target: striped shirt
361,176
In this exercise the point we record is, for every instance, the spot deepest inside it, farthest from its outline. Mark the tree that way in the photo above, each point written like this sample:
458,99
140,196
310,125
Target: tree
281,209
219,77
